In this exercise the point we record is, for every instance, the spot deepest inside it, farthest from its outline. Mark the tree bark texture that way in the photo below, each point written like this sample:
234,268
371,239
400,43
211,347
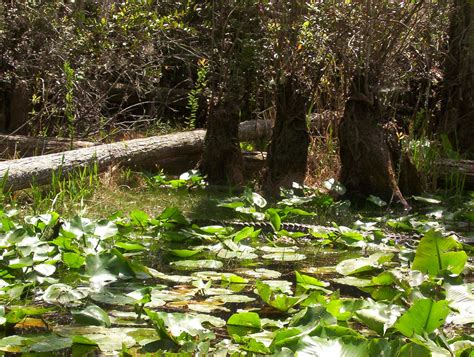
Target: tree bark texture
288,151
367,166
15,146
140,153
448,168
458,106
222,158
15,106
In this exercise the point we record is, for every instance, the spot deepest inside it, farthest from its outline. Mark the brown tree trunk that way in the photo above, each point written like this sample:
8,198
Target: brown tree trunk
458,107
367,166
288,150
222,158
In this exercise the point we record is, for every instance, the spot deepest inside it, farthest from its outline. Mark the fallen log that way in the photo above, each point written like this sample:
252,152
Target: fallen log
463,168
14,146
141,153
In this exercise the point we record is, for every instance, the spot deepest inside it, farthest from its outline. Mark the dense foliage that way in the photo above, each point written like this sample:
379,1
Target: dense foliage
141,283
89,68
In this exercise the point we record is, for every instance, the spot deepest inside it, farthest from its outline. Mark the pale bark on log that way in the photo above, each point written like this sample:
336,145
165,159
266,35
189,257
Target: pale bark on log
148,152
465,168
15,146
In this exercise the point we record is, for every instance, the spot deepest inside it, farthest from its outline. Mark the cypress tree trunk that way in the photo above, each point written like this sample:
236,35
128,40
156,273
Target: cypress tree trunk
288,151
367,161
458,106
222,159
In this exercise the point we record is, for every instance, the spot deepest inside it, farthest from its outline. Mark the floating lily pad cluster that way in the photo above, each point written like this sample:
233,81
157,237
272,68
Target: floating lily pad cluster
143,284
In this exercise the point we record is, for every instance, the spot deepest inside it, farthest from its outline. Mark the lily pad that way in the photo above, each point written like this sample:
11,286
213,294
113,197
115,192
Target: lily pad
197,264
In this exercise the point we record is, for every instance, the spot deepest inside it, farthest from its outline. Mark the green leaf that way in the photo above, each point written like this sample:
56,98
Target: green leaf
139,218
413,349
429,200
376,201
436,253
49,343
341,347
92,315
130,247
425,315
280,302
108,266
198,264
275,219
257,200
184,253
309,283
73,260
358,265
460,298
45,269
243,323
19,263
173,326
285,256
379,316
63,294
173,215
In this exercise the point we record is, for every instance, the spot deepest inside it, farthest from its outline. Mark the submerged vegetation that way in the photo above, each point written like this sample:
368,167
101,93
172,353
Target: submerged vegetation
248,281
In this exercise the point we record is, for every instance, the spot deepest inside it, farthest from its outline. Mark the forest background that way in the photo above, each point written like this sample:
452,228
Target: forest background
352,87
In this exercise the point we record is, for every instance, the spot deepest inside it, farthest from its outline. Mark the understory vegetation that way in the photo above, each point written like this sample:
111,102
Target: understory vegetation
201,273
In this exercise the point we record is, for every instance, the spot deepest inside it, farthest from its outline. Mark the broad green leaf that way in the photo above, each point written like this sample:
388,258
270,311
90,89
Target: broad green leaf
285,256
173,215
139,218
184,253
49,343
92,315
431,201
130,246
2,316
108,339
280,302
105,229
425,315
112,298
461,299
376,201
14,344
107,267
19,263
436,253
413,349
323,347
310,317
262,273
257,200
63,294
173,325
309,283
275,219
246,232
73,260
45,269
343,309
198,264
384,347
358,265
243,322
379,316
